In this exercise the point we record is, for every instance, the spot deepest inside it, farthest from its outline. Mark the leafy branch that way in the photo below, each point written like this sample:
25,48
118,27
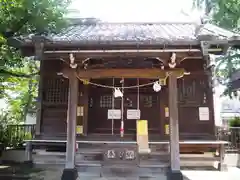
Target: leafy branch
16,74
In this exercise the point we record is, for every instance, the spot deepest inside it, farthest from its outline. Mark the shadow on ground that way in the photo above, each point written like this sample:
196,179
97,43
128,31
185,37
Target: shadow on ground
19,171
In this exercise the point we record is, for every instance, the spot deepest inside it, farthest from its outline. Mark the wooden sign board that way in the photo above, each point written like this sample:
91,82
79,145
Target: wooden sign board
114,114
203,113
167,130
133,114
79,129
80,111
142,127
142,136
166,109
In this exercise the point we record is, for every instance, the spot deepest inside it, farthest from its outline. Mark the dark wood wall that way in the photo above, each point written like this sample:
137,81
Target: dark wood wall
193,92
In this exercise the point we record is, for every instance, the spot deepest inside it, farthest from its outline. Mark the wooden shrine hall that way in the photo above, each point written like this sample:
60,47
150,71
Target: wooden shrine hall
129,87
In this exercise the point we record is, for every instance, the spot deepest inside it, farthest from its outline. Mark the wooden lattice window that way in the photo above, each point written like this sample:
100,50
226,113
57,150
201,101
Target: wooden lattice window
147,101
56,90
106,101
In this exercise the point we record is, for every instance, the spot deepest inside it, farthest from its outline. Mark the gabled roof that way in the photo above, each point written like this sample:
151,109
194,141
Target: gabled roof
134,33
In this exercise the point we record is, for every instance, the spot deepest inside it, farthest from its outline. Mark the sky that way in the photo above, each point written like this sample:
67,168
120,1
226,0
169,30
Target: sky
134,10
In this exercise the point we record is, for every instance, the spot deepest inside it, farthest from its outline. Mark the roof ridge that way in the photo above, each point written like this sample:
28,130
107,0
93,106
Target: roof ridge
136,23
95,21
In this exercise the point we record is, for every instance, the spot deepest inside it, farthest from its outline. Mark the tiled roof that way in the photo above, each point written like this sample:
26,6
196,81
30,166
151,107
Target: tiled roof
159,33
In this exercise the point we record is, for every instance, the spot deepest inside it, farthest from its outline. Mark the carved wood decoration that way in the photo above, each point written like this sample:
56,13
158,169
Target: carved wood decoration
124,67
162,60
193,91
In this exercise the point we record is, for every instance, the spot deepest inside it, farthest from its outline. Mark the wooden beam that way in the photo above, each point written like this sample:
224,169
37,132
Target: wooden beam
163,55
129,51
150,73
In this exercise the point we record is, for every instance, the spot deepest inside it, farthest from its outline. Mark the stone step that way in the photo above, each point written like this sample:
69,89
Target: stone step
132,172
162,177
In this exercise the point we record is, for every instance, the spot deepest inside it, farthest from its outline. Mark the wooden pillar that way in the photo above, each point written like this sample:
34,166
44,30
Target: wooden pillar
39,46
174,128
221,165
70,172
28,151
85,108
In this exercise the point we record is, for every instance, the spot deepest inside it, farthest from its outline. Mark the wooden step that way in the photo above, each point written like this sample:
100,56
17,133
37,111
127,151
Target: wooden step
89,163
148,164
89,151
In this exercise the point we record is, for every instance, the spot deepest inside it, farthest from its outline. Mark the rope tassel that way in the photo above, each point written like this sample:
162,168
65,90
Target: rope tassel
118,93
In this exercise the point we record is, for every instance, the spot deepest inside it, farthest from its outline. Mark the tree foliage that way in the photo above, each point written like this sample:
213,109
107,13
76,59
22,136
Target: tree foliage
226,14
18,75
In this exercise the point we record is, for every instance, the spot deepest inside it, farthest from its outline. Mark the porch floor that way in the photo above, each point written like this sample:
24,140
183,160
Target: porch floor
126,138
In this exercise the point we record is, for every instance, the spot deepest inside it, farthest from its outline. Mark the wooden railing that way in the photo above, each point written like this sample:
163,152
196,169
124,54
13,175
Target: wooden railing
21,132
232,135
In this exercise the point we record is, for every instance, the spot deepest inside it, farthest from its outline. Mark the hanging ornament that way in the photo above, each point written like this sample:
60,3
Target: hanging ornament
72,61
156,86
85,81
122,81
172,63
118,93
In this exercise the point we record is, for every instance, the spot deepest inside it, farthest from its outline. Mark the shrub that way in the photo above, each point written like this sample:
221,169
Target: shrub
12,135
235,122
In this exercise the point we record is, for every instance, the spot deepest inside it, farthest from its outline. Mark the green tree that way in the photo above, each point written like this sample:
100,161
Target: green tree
18,75
226,14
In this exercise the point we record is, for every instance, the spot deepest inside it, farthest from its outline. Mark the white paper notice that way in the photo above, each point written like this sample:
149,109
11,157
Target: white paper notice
133,114
203,113
114,114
